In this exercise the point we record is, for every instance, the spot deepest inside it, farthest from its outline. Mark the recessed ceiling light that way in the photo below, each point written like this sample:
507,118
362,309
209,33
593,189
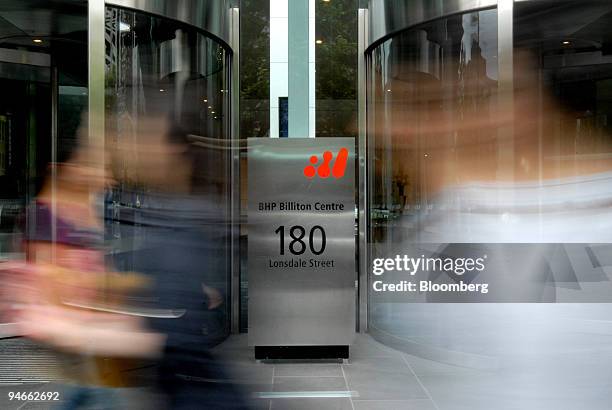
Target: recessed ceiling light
37,40
161,90
567,43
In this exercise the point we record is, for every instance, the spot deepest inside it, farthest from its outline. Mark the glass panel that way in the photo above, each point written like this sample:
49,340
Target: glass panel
254,68
36,40
442,185
167,113
336,68
563,80
433,91
432,123
432,95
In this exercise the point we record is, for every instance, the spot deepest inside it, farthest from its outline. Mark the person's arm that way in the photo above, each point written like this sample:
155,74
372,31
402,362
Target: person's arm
90,333
44,318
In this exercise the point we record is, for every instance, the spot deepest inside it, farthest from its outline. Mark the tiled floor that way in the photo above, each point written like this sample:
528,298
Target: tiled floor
376,377
380,378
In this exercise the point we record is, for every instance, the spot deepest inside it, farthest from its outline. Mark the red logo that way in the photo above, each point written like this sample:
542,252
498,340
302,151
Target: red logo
324,170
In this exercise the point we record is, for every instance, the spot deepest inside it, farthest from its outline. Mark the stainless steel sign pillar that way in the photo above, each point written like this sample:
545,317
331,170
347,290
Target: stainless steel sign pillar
301,247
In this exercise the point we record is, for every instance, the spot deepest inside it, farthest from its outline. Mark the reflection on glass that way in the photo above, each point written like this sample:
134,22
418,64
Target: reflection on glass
433,92
457,172
167,119
38,58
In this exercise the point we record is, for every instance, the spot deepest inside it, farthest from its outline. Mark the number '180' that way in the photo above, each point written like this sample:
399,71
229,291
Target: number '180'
297,245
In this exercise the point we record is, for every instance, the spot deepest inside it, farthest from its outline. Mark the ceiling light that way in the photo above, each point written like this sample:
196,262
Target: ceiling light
205,100
161,90
319,41
567,43
37,40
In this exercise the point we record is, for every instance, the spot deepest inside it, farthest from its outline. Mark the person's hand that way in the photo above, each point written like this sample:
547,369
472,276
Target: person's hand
52,326
215,299
86,332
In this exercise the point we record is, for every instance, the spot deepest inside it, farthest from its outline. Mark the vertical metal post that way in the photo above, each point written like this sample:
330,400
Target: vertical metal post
363,182
505,52
96,66
234,26
54,109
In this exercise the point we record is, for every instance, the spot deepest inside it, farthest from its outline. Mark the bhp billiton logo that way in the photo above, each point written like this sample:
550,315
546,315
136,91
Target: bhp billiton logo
324,170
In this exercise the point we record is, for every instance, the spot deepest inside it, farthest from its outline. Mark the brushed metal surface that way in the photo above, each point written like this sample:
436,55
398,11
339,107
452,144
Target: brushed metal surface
390,16
300,306
96,63
234,24
208,15
362,24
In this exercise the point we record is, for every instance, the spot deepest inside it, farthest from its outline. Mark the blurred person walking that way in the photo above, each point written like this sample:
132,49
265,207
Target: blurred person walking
182,235
65,268
180,241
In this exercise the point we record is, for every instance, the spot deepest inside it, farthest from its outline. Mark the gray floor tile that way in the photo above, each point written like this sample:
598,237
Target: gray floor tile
308,370
419,404
430,367
311,404
291,384
383,385
514,389
389,364
366,346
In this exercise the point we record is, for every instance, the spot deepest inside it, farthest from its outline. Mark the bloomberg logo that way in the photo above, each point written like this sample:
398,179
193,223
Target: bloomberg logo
325,169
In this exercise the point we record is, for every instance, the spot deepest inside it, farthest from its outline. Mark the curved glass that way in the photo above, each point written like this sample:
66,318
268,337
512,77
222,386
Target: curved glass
457,172
432,96
167,107
432,93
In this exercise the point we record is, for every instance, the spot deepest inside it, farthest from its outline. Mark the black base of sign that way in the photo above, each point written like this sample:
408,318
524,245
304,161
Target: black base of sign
301,352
